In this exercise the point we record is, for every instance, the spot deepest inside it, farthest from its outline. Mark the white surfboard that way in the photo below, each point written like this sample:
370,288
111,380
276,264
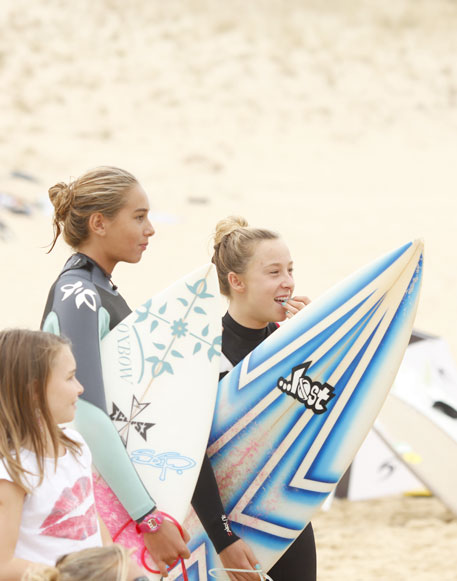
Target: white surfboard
290,417
160,369
376,472
419,419
429,451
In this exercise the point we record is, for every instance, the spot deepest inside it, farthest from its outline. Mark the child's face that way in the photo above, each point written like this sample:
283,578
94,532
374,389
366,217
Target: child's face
63,388
268,281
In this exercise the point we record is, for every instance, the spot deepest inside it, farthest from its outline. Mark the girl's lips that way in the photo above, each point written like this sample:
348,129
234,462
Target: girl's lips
281,299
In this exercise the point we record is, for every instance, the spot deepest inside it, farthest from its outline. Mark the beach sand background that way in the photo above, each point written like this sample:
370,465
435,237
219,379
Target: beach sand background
332,122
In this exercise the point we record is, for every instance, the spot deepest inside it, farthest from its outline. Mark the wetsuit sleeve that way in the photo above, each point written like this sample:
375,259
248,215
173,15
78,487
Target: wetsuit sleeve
76,313
207,503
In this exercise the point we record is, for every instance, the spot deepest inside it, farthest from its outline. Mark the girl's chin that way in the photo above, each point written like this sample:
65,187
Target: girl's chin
281,316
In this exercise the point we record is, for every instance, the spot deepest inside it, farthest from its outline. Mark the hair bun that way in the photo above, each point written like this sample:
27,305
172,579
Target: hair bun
62,197
228,225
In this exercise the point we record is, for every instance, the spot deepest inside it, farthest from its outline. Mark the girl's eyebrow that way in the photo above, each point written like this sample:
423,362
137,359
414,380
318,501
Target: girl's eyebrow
269,265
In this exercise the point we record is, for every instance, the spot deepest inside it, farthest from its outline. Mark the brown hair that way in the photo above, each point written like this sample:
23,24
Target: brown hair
234,243
109,563
26,359
102,189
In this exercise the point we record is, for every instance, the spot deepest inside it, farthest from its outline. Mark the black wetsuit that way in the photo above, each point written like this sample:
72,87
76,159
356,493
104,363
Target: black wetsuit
299,562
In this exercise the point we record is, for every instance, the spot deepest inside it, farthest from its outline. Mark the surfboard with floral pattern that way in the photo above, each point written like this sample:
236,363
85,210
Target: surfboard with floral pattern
160,369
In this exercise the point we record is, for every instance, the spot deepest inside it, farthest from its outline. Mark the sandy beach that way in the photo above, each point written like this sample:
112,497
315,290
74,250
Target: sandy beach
332,122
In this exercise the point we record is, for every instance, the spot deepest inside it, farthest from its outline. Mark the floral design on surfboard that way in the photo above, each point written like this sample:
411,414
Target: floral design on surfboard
179,329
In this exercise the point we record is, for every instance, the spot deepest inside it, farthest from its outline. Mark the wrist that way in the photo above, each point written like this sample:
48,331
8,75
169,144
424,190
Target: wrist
151,523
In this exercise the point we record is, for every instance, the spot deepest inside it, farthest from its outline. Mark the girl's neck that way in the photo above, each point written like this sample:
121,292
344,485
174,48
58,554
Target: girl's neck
243,318
98,256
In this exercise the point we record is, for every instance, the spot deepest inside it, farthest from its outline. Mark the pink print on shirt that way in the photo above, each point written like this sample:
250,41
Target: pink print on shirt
78,527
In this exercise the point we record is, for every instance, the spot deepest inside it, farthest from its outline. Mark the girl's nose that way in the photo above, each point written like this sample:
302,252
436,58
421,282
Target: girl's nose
288,281
149,229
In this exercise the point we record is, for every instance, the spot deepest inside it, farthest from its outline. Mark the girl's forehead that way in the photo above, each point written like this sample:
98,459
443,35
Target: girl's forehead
137,199
269,252
64,357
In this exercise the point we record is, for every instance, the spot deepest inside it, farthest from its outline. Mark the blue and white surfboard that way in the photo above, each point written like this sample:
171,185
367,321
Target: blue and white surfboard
291,416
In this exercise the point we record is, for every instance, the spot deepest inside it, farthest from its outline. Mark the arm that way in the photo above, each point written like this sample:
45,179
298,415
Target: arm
233,551
104,532
207,503
11,502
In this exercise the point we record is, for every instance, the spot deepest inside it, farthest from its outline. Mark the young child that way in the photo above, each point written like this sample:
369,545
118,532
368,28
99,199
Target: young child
110,563
47,506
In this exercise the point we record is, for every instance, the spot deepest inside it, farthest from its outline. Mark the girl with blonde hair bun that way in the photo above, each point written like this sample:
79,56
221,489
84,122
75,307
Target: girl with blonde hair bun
111,563
104,216
255,271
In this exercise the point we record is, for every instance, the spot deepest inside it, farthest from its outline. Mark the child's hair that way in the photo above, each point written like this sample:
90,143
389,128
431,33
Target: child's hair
26,359
101,189
234,243
109,563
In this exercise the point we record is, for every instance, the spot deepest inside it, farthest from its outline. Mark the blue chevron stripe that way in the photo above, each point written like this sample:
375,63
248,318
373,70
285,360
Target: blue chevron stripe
347,291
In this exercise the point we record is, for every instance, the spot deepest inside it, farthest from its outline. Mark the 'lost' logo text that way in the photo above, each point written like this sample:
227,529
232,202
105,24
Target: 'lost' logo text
314,395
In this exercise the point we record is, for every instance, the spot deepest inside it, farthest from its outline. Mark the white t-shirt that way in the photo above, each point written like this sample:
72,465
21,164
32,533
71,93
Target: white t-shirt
59,516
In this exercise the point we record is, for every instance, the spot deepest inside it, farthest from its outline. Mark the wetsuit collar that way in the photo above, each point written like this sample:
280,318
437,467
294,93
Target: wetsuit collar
80,260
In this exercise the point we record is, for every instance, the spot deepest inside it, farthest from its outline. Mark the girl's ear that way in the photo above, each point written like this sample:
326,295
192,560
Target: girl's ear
97,223
236,282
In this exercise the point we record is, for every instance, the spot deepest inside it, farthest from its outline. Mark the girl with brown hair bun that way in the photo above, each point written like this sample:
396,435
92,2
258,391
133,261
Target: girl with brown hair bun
255,273
103,216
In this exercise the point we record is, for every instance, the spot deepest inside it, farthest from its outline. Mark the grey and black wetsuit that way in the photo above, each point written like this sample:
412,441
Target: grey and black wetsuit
84,306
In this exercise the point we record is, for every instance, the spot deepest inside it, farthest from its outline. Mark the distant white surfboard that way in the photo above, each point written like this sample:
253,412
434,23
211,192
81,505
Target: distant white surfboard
419,419
290,417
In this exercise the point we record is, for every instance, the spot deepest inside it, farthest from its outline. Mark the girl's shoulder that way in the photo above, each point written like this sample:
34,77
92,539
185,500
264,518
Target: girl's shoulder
83,456
29,464
3,471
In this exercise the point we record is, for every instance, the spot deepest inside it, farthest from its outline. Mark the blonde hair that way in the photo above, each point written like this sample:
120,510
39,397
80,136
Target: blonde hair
234,244
109,563
26,359
102,189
